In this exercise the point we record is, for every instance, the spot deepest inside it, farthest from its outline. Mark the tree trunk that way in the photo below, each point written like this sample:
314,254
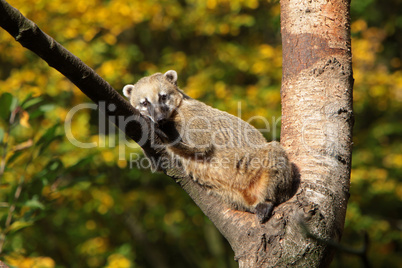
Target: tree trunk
316,131
317,116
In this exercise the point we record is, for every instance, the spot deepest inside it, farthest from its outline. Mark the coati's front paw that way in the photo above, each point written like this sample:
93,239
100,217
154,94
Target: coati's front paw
164,138
264,211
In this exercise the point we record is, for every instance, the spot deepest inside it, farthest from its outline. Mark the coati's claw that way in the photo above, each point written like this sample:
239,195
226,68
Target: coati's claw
264,211
164,138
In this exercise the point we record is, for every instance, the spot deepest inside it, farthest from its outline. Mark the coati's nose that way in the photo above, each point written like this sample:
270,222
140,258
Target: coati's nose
164,108
160,119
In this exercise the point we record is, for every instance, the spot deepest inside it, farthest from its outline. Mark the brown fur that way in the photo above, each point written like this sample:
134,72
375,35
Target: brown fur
220,151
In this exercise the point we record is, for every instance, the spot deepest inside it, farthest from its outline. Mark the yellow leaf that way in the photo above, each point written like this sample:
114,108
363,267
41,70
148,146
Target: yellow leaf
118,261
17,225
122,163
44,262
24,119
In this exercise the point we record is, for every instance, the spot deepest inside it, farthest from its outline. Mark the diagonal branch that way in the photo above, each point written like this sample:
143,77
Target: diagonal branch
98,90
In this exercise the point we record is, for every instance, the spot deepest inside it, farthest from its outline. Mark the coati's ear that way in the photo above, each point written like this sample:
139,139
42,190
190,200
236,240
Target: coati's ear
127,90
171,76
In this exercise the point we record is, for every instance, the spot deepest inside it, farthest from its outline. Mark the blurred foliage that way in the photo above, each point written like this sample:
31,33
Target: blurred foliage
62,206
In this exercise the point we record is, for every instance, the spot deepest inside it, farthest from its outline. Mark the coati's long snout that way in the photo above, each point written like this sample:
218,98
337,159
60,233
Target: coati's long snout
158,113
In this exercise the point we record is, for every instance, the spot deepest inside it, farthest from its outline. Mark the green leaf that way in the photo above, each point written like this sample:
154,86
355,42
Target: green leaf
47,107
49,135
1,135
7,104
82,163
52,170
34,203
41,110
18,225
47,138
45,145
30,102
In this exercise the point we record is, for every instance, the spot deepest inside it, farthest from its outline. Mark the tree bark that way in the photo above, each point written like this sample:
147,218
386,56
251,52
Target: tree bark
317,115
316,131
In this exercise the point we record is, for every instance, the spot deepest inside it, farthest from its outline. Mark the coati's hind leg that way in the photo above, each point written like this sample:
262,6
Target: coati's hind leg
263,211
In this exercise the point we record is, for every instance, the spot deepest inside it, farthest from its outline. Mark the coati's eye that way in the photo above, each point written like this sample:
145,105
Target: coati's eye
163,96
144,103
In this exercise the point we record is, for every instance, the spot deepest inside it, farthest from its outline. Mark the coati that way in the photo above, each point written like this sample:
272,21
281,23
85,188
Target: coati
223,153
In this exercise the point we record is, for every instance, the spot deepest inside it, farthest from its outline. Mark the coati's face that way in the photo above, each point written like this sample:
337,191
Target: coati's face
155,96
